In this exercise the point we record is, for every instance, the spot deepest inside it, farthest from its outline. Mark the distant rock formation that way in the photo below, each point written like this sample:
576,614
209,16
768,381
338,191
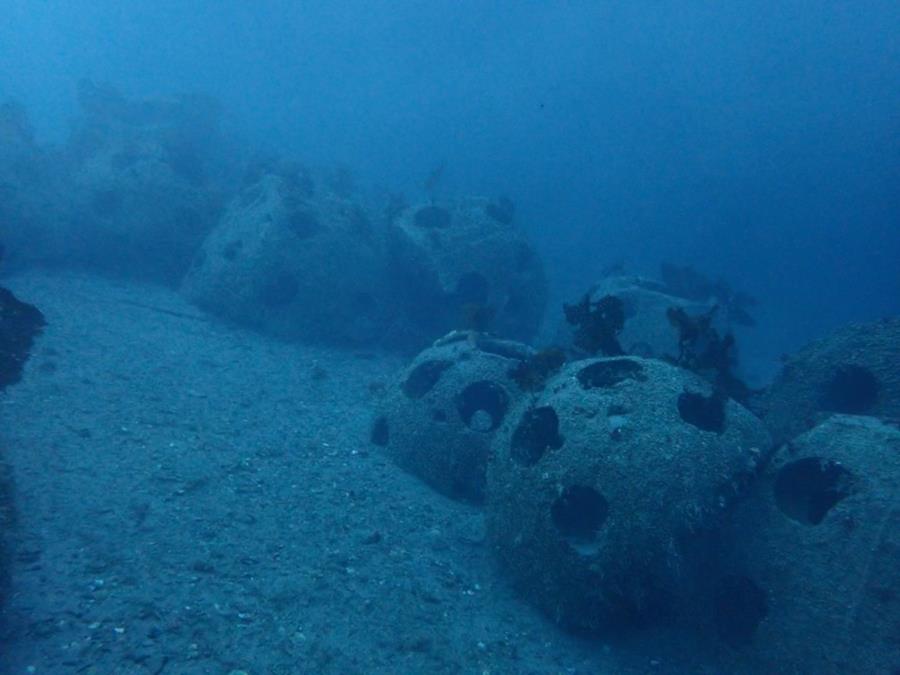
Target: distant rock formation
141,201
33,225
129,194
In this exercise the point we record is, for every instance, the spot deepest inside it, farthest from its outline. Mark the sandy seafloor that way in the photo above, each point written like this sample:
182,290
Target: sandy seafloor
196,498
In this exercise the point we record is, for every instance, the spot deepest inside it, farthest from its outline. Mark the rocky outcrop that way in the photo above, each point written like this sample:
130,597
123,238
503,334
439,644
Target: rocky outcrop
20,323
141,202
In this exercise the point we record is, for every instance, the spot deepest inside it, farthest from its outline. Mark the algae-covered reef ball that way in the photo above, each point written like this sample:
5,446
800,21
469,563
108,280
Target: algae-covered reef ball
855,371
440,416
811,583
297,261
466,259
603,488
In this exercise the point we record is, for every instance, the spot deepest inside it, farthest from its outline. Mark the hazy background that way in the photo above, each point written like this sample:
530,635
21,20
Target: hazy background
758,140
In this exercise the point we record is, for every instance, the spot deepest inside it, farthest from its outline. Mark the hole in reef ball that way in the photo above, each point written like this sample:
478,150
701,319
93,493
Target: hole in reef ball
537,432
482,405
304,224
380,433
279,291
739,607
852,390
232,249
432,217
807,489
704,412
609,373
423,377
578,513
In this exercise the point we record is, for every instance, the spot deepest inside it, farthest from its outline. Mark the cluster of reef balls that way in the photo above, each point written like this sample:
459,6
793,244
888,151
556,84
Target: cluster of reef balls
629,478
150,190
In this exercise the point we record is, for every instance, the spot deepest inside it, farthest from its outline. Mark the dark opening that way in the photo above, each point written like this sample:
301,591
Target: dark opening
438,415
537,432
232,249
807,489
432,217
472,288
739,607
485,396
279,291
609,373
578,513
303,223
380,433
707,413
423,377
852,390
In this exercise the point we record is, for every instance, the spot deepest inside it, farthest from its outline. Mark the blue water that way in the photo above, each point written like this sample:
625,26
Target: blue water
754,143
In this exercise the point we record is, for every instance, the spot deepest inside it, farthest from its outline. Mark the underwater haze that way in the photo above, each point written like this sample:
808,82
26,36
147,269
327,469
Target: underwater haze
314,284
757,141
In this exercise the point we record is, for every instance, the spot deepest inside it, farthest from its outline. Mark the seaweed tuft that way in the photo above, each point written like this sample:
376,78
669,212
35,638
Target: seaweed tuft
598,324
702,350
